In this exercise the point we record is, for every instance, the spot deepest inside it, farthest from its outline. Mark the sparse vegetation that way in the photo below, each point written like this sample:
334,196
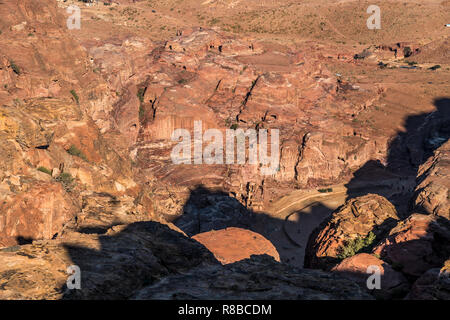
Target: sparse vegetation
407,51
214,21
15,67
325,190
234,126
75,96
141,112
66,180
356,245
140,94
45,170
74,151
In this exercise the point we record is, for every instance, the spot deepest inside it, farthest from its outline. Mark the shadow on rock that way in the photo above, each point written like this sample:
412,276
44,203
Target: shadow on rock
126,258
396,180
207,210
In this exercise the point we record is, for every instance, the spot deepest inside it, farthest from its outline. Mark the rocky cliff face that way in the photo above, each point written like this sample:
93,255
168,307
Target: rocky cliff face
412,253
150,260
59,165
69,192
432,193
86,177
360,220
228,82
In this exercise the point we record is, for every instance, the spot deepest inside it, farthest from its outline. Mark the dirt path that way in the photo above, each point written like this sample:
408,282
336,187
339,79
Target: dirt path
301,199
298,213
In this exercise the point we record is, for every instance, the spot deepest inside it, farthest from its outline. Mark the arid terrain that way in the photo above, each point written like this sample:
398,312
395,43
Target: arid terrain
87,117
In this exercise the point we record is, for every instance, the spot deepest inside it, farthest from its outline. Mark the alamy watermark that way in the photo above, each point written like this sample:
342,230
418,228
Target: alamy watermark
235,153
374,280
74,20
374,21
74,280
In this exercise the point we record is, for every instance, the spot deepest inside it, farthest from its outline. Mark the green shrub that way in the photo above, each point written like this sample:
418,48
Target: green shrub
45,170
74,151
141,112
214,21
355,246
75,96
325,190
15,68
234,126
407,52
66,180
140,95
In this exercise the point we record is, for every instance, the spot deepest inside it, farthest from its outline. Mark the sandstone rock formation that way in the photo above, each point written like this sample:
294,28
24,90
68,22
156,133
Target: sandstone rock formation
359,267
418,243
87,179
234,244
352,222
432,285
57,151
137,260
113,265
432,193
257,278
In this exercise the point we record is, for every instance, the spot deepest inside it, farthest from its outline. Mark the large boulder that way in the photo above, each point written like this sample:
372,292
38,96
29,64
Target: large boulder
234,244
433,284
416,244
359,223
359,268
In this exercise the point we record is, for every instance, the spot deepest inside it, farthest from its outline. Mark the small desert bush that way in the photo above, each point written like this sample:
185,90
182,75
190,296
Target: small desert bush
75,96
66,180
74,151
15,68
45,170
356,245
140,94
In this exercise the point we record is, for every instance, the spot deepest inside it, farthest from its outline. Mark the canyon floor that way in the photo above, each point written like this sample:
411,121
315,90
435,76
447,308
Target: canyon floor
87,179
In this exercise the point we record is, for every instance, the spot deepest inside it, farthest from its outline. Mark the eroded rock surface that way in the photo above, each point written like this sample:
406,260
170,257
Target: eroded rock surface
257,278
113,265
86,118
432,193
356,219
136,261
361,266
234,244
418,243
432,285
